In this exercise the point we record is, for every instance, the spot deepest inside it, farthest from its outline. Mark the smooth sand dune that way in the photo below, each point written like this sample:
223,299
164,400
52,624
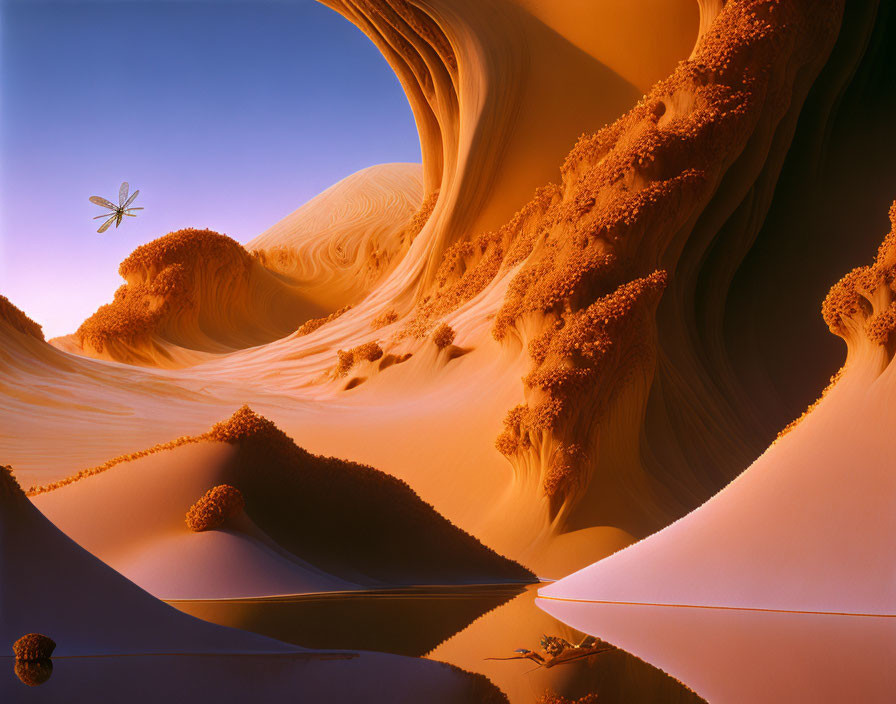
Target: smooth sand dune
808,526
310,523
52,586
588,293
194,294
188,295
339,244
102,624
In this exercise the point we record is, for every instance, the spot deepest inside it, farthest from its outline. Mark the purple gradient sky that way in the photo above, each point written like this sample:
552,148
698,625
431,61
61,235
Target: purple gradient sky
227,115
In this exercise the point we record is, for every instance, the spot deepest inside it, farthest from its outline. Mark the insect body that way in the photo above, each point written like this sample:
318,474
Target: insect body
118,211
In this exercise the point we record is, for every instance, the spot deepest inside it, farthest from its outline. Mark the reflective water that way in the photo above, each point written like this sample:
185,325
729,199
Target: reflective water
465,627
736,656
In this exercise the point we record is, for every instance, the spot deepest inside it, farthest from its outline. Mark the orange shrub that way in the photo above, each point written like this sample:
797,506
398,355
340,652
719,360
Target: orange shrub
219,504
443,335
33,646
346,359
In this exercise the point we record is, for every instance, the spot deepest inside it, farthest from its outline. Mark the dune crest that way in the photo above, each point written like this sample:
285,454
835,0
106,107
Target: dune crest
18,320
807,526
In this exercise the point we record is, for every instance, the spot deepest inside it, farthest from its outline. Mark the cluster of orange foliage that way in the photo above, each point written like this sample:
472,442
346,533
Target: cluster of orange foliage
345,518
217,505
384,319
568,359
443,335
792,424
346,359
18,320
862,303
160,285
310,326
420,218
623,206
866,297
553,698
33,646
108,464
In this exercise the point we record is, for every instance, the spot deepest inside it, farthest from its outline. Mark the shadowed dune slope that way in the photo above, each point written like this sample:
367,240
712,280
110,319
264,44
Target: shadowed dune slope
102,624
50,585
809,526
312,523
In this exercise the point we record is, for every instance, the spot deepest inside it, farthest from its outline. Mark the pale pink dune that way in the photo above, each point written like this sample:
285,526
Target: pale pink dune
809,525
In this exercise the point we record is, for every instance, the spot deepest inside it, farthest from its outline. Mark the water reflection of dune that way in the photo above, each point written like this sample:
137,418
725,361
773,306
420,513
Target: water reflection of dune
807,526
731,656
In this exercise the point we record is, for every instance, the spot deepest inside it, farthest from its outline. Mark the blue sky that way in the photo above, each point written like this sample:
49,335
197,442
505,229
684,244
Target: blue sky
226,115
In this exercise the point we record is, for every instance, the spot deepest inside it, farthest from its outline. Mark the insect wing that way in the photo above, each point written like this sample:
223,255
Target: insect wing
123,193
96,200
131,199
105,225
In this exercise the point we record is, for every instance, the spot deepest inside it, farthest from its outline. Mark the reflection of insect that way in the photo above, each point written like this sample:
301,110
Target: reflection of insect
560,651
118,211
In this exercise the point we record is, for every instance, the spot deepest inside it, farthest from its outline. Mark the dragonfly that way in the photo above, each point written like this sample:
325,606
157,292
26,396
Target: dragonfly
118,211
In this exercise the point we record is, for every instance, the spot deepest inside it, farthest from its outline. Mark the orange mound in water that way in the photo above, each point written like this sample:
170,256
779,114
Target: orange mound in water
33,646
212,510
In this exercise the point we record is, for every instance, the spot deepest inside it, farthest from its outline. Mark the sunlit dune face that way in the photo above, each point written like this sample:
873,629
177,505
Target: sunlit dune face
641,41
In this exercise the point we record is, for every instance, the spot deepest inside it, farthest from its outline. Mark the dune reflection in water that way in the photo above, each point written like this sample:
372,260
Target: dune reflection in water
464,626
736,656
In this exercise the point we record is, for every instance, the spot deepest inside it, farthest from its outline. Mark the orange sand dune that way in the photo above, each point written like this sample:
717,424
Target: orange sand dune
809,526
587,294
187,295
338,245
310,523
195,293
